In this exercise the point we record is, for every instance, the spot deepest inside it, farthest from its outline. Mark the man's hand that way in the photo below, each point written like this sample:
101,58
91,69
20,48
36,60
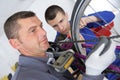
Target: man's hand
87,19
101,57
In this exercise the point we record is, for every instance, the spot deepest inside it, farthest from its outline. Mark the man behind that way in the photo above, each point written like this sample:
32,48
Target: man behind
57,18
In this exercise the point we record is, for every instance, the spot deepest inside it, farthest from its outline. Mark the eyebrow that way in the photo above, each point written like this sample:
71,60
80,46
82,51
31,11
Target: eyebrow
31,28
55,25
35,26
59,22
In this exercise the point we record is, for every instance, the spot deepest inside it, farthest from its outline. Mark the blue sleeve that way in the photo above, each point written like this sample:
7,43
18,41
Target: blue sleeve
88,77
104,16
60,37
56,36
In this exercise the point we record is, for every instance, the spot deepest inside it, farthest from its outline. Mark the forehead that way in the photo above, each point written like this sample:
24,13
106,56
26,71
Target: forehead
27,23
28,20
57,19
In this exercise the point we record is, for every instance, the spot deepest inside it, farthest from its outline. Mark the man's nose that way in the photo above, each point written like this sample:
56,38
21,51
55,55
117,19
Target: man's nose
60,27
42,32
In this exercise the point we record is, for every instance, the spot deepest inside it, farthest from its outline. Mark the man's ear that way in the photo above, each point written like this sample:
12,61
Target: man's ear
14,43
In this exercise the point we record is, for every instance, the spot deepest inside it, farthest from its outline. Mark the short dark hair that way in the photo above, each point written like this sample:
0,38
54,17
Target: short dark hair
52,11
11,27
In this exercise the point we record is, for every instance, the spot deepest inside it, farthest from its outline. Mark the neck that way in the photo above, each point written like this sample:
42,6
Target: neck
35,55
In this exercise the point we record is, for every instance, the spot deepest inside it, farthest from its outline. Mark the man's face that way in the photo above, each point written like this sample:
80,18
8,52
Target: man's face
60,23
32,37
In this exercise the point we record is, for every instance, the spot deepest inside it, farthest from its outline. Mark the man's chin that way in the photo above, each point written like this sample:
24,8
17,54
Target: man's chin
47,46
65,33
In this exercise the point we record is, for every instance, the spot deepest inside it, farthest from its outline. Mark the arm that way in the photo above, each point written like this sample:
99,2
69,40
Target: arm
101,18
99,59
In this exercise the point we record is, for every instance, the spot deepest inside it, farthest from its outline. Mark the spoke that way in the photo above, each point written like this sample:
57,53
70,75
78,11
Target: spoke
113,5
91,40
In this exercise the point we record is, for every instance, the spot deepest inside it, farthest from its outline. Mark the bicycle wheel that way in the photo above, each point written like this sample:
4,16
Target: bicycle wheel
78,12
109,29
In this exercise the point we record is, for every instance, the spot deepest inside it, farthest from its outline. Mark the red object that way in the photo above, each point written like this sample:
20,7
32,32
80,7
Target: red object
103,31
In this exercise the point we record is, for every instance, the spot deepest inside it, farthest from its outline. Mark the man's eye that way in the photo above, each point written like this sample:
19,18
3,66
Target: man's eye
61,20
33,30
54,26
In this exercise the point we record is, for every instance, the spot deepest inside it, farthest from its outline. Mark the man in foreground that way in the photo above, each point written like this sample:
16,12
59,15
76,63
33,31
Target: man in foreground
26,34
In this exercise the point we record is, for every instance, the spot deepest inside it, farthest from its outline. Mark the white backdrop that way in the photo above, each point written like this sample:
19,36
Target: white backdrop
8,55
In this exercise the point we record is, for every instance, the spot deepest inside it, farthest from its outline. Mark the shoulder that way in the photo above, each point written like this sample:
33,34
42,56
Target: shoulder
22,74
